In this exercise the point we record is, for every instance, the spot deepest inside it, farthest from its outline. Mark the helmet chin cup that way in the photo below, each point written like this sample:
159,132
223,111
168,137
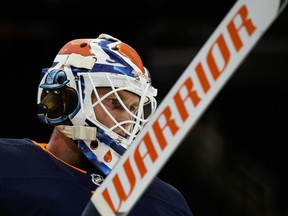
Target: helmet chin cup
65,96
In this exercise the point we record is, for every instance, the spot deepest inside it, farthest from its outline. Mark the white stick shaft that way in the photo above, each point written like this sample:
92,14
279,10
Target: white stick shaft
201,81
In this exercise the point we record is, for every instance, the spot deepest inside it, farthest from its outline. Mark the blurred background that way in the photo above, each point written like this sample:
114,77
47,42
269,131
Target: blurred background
233,162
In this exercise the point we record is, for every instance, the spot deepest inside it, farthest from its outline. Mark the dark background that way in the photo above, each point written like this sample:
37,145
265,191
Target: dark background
234,161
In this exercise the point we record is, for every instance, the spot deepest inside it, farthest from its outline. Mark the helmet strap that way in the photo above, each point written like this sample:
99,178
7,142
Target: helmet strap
78,132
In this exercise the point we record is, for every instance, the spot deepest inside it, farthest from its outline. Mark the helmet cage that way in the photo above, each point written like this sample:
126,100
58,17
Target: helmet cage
117,82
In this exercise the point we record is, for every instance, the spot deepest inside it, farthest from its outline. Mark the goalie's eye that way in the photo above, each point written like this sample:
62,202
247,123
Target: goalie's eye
112,103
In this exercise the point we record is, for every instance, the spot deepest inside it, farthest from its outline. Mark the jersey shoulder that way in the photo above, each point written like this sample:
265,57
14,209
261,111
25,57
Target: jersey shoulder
13,145
19,156
162,198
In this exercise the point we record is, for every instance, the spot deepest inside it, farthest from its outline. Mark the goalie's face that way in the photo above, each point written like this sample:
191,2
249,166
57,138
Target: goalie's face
115,110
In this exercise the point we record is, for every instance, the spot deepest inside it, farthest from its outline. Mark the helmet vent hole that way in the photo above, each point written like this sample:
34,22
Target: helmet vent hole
83,45
94,145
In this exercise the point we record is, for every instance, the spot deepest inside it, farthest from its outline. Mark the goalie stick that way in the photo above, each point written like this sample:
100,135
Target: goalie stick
184,104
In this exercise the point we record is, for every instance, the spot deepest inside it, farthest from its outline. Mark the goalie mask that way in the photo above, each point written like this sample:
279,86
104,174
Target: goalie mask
71,90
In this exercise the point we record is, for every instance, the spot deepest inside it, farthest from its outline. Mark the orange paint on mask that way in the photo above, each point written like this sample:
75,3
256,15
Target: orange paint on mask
130,53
